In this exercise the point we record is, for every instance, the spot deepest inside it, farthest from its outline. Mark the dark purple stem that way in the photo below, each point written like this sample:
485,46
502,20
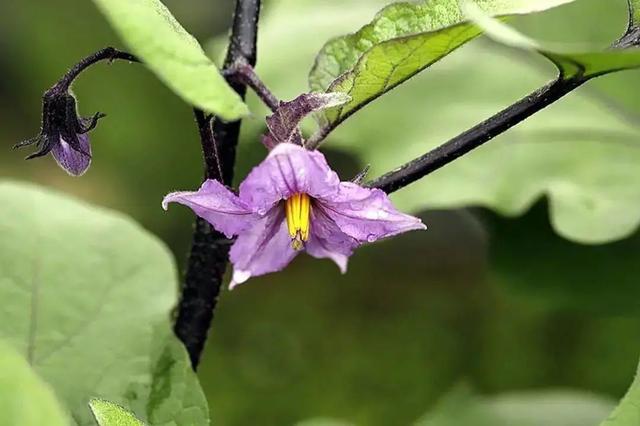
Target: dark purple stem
474,137
244,73
210,249
108,53
494,126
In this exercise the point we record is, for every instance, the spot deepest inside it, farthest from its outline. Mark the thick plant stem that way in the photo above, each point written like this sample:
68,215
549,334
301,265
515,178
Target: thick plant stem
210,249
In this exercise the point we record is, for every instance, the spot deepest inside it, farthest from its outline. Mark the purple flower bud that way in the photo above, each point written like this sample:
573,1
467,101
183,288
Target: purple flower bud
63,133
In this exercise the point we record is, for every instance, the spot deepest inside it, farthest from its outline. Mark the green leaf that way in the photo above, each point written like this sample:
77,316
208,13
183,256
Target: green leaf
584,63
285,20
175,397
628,412
110,414
323,422
175,56
87,295
634,12
25,400
549,408
402,40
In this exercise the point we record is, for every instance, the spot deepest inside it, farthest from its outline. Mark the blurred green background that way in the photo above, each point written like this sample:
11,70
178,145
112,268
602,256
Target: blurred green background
499,303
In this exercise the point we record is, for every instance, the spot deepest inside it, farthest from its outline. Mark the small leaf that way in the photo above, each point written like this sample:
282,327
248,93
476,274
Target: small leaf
24,399
174,55
627,413
403,39
86,299
110,414
283,123
583,63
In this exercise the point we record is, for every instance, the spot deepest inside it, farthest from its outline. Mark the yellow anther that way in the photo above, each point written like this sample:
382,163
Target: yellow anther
298,210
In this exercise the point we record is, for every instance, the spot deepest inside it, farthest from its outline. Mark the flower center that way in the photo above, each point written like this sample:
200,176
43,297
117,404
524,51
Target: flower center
298,209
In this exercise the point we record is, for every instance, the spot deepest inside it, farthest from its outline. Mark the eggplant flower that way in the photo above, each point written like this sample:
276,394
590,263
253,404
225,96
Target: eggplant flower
293,202
64,134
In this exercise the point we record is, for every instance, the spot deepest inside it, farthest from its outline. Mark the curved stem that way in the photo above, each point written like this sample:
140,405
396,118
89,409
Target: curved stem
210,249
108,53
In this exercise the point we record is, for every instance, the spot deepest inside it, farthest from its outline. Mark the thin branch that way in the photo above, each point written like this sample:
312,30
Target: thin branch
108,53
489,129
244,73
319,136
474,137
210,249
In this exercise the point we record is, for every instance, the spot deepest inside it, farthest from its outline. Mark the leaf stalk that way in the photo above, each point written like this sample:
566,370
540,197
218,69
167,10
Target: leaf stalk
108,53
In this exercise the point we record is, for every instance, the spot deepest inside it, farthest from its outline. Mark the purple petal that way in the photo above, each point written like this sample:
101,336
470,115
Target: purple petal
264,248
287,170
217,205
283,124
73,162
366,214
326,240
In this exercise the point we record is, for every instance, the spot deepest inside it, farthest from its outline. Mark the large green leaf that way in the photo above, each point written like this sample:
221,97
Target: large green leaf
86,299
175,56
110,414
549,408
24,399
584,63
403,39
628,412
324,422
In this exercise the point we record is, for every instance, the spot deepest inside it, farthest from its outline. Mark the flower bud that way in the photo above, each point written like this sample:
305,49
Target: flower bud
63,133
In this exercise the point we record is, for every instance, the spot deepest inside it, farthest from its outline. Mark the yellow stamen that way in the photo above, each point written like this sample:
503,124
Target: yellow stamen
298,210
